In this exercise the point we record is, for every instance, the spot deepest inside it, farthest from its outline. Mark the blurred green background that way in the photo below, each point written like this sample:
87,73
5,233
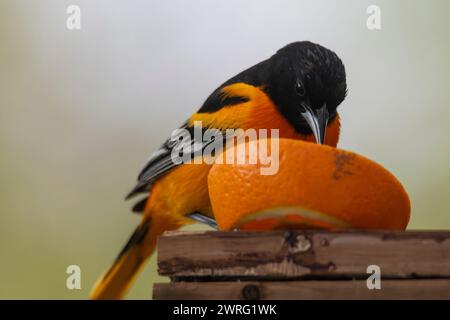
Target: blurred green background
80,111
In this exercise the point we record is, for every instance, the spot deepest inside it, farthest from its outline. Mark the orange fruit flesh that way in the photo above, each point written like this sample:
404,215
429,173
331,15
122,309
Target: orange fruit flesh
316,186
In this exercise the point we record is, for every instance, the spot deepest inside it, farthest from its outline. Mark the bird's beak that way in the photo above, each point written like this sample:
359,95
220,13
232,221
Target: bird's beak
317,121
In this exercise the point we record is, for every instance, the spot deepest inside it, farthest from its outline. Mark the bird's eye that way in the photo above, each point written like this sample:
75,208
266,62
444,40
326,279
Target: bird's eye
300,88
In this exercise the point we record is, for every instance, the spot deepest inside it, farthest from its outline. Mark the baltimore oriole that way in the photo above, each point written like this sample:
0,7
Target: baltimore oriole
297,91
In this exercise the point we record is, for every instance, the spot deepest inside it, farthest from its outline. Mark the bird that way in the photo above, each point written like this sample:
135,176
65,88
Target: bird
297,91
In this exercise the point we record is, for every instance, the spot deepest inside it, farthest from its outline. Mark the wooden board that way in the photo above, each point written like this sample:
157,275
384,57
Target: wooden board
281,255
299,290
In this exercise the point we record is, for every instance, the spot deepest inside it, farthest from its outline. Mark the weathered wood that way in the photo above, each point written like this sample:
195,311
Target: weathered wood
279,255
298,290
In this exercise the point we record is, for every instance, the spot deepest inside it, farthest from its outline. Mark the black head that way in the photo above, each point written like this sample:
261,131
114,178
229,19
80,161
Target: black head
307,83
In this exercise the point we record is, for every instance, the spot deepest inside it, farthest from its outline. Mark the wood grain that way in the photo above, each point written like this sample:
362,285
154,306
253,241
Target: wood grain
299,290
293,255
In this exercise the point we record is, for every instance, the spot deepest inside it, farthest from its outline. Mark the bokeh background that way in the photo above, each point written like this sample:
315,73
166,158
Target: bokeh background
80,111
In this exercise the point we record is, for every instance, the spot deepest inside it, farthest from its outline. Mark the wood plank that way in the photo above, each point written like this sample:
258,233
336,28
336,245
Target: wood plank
303,254
302,290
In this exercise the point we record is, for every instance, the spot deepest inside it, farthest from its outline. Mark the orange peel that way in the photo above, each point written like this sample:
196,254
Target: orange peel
316,186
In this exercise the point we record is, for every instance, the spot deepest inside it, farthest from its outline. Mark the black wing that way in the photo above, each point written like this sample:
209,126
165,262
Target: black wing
161,161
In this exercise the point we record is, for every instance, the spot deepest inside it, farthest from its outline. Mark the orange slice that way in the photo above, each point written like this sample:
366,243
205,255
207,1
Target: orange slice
315,186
